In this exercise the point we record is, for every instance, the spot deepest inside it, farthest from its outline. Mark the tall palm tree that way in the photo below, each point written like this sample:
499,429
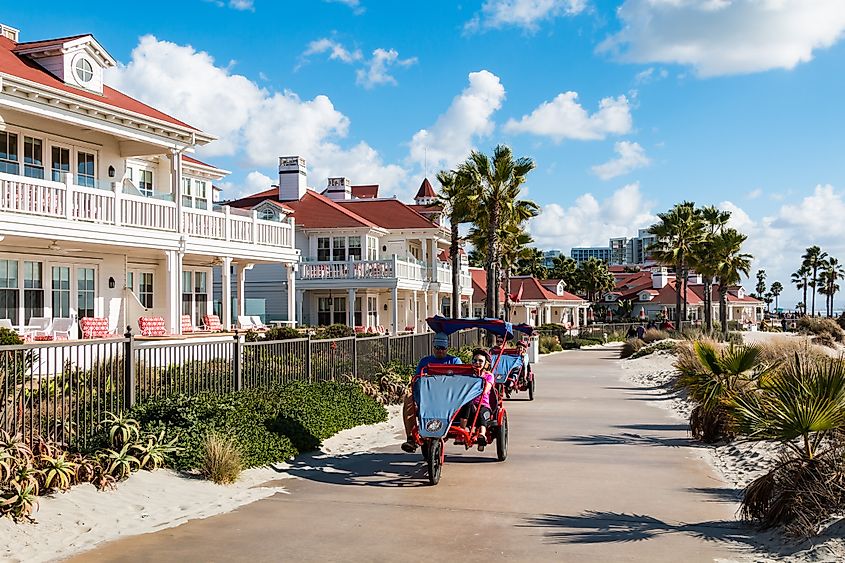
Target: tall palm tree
776,289
678,233
595,278
732,262
514,248
813,258
566,269
801,279
834,272
531,264
702,261
761,283
494,180
456,200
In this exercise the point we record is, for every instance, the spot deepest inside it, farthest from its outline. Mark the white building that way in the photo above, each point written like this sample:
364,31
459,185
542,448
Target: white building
103,213
367,262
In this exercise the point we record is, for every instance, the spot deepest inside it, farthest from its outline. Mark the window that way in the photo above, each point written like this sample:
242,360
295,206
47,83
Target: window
33,157
267,214
340,310
187,296
187,200
339,249
85,169
446,307
145,289
9,290
372,311
145,182
331,310
9,152
61,163
200,191
372,248
130,281
200,296
358,317
84,70
323,250
33,291
85,292
61,292
354,248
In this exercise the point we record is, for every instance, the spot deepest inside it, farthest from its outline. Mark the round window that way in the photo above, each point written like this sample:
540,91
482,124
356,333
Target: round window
84,71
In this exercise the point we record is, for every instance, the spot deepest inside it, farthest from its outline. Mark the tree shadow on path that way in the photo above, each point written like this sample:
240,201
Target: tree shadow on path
628,439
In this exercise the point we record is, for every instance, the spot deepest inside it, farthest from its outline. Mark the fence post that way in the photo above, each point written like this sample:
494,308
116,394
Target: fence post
387,349
129,368
236,363
308,358
355,357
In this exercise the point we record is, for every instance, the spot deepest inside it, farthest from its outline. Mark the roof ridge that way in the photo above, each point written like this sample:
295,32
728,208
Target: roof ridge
53,40
336,205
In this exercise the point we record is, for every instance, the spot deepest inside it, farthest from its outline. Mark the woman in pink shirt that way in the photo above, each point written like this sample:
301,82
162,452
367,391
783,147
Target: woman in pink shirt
481,363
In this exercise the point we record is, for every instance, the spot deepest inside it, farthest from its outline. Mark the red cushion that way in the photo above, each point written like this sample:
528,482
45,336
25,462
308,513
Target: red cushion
212,322
152,326
187,325
94,327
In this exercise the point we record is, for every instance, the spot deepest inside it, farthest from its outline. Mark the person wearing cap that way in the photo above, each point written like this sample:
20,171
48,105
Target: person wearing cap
440,355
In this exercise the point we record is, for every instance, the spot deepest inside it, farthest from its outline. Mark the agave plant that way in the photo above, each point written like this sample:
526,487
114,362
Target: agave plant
25,475
57,471
15,446
802,407
153,453
120,464
21,501
121,429
85,467
723,375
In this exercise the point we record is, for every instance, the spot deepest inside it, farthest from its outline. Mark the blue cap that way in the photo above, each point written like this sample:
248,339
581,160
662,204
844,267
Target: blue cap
441,339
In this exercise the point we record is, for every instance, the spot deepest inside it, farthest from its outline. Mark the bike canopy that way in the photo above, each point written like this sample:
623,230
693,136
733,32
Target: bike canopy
524,328
448,326
438,398
505,365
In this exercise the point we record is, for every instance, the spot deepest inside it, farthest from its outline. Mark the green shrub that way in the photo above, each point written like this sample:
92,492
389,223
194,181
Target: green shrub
826,329
630,347
278,333
654,347
464,353
221,460
267,425
334,331
549,344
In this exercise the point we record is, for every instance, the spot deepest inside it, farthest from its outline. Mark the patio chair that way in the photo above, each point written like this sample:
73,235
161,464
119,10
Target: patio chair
6,323
245,322
187,325
37,326
381,330
95,327
60,329
256,322
360,330
410,328
212,323
152,326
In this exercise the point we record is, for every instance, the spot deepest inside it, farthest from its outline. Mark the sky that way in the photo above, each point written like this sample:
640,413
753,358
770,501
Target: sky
627,107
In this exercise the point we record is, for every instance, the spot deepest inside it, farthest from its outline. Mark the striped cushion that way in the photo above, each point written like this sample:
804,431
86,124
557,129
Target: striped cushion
212,322
187,325
152,326
94,327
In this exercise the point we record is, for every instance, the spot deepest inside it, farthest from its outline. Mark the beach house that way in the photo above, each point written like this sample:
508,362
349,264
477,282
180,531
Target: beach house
104,212
373,263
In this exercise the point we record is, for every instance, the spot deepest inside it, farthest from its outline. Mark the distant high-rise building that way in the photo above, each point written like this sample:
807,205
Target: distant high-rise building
619,251
581,254
549,257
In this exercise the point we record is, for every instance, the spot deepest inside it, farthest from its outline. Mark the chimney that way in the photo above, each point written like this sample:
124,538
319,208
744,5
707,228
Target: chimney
9,32
339,189
660,278
293,178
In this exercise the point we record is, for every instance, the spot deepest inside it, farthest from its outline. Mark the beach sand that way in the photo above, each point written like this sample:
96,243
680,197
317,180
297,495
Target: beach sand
78,520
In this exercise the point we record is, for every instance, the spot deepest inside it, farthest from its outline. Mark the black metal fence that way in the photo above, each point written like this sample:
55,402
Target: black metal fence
61,390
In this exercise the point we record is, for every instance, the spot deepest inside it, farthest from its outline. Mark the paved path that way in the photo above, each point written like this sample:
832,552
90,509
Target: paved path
594,473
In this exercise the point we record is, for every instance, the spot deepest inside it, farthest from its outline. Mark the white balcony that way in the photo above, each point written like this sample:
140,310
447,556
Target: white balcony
373,273
45,198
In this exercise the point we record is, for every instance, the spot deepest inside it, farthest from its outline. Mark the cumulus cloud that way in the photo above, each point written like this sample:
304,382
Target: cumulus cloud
630,157
719,37
355,5
564,118
335,50
468,118
590,222
526,14
254,182
376,71
253,123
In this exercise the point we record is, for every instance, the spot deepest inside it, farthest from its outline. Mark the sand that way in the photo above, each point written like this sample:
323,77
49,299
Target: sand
149,501
737,463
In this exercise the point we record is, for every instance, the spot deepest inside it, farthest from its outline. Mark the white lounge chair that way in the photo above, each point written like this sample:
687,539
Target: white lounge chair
256,321
61,327
245,323
37,326
7,323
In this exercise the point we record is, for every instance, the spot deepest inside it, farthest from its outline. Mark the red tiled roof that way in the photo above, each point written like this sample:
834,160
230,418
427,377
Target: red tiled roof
479,286
316,211
365,192
46,42
425,190
26,69
533,290
731,297
668,295
423,209
193,160
388,213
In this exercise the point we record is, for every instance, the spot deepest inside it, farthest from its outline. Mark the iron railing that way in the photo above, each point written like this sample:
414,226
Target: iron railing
62,390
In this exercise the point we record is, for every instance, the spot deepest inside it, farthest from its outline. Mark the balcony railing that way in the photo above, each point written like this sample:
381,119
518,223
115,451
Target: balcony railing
378,269
45,198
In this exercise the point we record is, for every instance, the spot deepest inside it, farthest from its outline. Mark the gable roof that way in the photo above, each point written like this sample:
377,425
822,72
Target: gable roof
365,192
425,190
533,290
26,69
316,211
388,213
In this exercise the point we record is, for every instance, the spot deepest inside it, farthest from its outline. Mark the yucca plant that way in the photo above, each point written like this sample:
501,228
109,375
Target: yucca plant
58,472
716,378
121,429
153,453
803,408
119,463
20,501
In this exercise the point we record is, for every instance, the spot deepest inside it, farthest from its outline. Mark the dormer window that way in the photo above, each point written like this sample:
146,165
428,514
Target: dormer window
84,70
267,214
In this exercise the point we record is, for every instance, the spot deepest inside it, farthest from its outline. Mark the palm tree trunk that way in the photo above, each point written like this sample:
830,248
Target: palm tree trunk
815,283
492,280
723,308
805,298
507,285
684,294
679,265
456,274
708,307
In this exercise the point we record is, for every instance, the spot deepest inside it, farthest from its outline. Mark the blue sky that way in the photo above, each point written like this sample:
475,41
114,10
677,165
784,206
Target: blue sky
726,102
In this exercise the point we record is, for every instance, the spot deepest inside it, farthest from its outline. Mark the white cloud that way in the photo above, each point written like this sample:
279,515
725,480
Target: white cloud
254,182
630,157
564,118
376,71
754,194
522,13
590,222
468,118
650,74
719,37
335,50
242,5
355,5
254,124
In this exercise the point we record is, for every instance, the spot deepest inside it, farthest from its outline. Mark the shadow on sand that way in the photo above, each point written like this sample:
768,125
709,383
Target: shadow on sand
629,439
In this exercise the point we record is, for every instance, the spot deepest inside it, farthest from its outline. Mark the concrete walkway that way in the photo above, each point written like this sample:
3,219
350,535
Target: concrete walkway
594,473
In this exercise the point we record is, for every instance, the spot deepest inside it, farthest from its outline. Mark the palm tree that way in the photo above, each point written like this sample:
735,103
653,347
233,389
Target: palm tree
514,248
761,283
776,289
456,201
595,278
531,264
566,269
800,279
731,263
496,183
678,234
714,221
813,258
834,272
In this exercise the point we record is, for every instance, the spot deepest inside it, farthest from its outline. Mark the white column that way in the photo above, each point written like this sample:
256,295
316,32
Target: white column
350,307
394,296
69,207
242,270
173,298
226,286
300,298
290,270
176,186
434,302
416,313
